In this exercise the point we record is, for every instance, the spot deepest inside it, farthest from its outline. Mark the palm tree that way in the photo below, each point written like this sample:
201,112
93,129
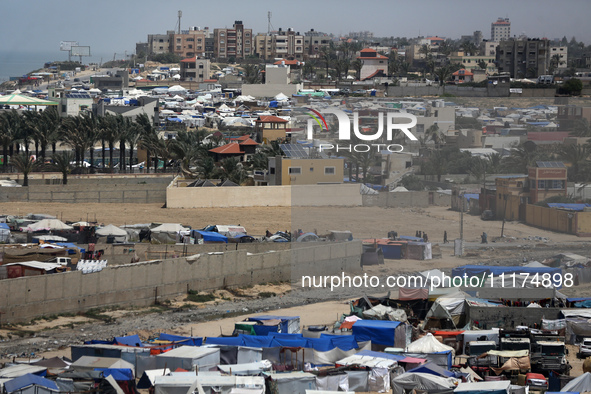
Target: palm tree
25,164
47,131
357,65
9,128
205,165
147,133
434,135
108,133
62,163
469,48
232,170
133,135
520,158
577,156
252,73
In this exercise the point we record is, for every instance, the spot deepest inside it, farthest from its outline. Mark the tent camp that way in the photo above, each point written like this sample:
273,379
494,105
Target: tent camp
284,324
293,382
208,237
110,230
423,382
31,384
4,233
188,358
87,363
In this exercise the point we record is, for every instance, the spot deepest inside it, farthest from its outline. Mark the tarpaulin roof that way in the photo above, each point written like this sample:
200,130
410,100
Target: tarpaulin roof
131,340
433,369
189,341
428,344
120,374
570,207
501,386
212,236
377,331
29,380
421,381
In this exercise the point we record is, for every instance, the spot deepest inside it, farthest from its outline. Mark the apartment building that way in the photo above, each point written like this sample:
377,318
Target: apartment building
189,43
283,44
562,54
158,43
195,69
500,30
314,41
236,42
527,58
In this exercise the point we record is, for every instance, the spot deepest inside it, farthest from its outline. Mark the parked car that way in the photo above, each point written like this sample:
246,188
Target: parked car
585,348
536,381
487,215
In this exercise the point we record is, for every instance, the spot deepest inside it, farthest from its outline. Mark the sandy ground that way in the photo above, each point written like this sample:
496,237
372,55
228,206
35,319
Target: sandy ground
363,222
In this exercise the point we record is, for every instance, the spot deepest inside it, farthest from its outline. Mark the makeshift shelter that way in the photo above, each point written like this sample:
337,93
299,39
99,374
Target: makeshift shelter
117,234
419,251
284,324
514,364
88,363
189,357
167,232
580,384
149,376
31,384
429,345
4,233
293,382
47,225
14,371
175,383
255,368
449,307
205,237
387,333
495,387
423,382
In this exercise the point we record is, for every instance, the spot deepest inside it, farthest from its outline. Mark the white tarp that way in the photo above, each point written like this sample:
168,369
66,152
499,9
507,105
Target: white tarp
481,387
111,230
580,384
189,358
382,312
293,382
338,383
421,381
428,344
48,224
379,380
246,369
336,354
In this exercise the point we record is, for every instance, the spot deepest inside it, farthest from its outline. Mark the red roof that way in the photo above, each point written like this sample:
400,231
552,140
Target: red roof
435,38
248,141
232,148
189,60
558,136
243,137
367,51
288,62
210,80
462,72
270,119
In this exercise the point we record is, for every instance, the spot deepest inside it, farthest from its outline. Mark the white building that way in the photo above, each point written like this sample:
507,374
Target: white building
500,30
373,63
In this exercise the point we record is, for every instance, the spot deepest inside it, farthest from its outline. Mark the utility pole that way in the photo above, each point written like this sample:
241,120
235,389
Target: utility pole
504,215
180,14
461,224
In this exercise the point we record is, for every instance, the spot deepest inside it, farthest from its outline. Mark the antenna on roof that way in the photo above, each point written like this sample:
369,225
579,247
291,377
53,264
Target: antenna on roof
180,14
269,24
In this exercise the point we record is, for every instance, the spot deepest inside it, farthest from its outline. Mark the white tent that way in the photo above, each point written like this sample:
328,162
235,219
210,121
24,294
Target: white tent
483,387
428,344
114,231
281,97
89,363
177,88
46,225
580,384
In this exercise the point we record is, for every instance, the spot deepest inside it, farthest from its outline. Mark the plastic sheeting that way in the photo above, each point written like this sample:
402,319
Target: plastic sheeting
514,364
379,380
294,382
408,294
255,368
580,384
421,381
333,383
498,387
382,312
379,332
428,344
189,357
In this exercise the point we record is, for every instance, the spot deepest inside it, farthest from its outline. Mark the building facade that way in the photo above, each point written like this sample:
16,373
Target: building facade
373,63
314,41
189,43
500,30
527,58
237,42
280,44
305,171
158,43
561,54
195,69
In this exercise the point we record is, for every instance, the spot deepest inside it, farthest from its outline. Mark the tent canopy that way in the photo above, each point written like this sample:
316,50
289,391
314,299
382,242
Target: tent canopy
111,230
48,224
17,99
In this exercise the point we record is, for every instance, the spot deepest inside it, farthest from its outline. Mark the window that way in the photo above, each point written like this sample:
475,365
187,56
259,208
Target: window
541,184
272,171
557,184
295,170
329,170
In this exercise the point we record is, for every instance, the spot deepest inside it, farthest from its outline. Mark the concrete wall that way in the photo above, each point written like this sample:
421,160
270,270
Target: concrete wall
263,196
137,193
577,223
269,90
407,199
465,91
142,284
509,316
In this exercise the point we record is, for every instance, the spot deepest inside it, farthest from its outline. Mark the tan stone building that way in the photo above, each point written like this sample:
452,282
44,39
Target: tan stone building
305,171
236,42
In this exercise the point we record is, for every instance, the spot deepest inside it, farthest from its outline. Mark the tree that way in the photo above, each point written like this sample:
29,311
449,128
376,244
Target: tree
520,158
577,156
62,163
581,128
9,128
25,164
443,73
469,48
482,64
231,169
572,87
436,164
252,74
108,133
357,65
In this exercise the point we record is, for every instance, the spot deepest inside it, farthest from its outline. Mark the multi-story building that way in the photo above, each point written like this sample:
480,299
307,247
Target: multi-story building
189,43
305,171
195,69
561,53
488,48
236,42
569,115
373,63
280,44
524,58
158,43
471,63
361,35
500,30
314,41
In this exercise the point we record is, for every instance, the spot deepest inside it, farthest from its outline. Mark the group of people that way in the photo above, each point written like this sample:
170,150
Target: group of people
422,234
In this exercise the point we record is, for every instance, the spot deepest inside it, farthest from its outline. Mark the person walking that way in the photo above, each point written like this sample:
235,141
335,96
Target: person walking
445,237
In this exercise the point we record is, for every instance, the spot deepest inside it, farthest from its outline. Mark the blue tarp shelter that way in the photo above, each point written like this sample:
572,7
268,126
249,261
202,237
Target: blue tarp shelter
119,374
181,340
380,332
569,207
288,324
211,236
388,356
29,380
131,340
433,369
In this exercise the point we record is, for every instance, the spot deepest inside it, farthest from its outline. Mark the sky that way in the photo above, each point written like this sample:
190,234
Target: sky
114,26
